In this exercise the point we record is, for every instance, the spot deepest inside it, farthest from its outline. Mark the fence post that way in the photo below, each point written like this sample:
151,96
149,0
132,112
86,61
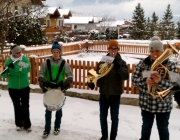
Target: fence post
33,70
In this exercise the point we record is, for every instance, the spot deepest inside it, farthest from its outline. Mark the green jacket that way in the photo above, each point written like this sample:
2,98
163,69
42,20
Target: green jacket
17,77
55,64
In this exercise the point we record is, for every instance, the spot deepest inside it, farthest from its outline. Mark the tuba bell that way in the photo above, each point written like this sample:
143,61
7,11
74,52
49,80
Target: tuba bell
155,90
104,69
93,76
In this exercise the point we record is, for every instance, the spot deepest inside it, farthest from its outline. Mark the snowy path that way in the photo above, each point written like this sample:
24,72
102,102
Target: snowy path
80,121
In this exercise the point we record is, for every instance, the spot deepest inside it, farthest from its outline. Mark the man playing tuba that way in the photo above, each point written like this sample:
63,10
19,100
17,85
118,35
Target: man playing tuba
110,89
149,87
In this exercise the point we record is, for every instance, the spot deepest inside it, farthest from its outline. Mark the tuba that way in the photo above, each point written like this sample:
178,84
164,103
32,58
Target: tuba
155,90
104,70
93,76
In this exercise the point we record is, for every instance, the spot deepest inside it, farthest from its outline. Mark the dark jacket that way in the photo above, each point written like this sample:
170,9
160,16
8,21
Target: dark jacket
111,84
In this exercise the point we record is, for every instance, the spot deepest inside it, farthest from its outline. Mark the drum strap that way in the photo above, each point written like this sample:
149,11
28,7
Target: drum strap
60,69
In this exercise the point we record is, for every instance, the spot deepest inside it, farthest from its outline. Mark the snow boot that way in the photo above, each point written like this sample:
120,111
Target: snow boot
18,128
29,129
103,138
45,134
56,131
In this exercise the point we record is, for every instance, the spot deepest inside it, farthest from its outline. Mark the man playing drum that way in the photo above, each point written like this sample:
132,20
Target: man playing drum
55,73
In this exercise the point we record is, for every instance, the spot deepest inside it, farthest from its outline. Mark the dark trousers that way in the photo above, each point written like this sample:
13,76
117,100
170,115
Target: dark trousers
113,102
20,99
57,122
162,121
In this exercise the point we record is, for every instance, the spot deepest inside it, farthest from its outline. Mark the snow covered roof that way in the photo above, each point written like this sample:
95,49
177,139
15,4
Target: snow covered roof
111,23
97,19
51,10
44,11
78,20
82,20
65,12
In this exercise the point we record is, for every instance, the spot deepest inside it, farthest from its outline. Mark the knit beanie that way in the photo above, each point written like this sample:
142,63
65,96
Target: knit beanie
56,46
113,43
15,49
156,44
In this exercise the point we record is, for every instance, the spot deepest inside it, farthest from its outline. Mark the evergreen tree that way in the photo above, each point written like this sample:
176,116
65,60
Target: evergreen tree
178,30
137,30
148,29
25,30
154,25
167,28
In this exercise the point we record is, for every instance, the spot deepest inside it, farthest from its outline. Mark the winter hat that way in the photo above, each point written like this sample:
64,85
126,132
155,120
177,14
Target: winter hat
156,44
15,49
56,46
113,43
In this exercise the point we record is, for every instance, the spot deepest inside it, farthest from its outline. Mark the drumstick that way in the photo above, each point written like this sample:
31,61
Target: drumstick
47,88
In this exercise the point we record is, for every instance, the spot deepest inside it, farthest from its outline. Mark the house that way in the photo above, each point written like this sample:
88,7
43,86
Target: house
53,21
21,6
123,29
65,14
54,17
120,25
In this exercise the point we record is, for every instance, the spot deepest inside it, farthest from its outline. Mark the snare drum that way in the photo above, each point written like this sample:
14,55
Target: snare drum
54,99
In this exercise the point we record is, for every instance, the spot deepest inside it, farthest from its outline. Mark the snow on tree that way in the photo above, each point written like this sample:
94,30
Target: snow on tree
137,30
167,28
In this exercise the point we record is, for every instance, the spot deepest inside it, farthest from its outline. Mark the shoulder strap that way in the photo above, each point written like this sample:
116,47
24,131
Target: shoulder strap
60,69
49,68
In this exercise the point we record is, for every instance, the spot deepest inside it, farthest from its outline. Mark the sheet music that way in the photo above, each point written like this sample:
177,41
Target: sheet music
175,77
148,73
107,58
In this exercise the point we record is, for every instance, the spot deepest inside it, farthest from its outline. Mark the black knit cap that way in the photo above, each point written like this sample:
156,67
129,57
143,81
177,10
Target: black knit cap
56,46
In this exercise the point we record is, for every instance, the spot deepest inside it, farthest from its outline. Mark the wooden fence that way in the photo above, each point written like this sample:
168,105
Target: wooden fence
79,68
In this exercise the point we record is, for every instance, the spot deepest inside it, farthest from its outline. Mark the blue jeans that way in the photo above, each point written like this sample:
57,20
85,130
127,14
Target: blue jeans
162,121
113,102
57,122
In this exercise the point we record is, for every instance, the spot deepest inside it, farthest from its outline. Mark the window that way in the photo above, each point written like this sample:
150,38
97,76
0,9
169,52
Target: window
48,23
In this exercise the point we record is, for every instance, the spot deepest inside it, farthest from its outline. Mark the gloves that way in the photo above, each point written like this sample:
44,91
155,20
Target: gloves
11,65
66,84
116,62
41,84
91,85
65,87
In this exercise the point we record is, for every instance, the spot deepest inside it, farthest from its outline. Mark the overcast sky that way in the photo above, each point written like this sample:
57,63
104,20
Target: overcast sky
119,9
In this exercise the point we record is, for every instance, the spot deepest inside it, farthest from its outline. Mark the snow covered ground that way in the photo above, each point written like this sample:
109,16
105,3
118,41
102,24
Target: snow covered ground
80,121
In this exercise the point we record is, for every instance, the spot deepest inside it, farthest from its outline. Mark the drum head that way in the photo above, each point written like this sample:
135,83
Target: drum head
53,97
